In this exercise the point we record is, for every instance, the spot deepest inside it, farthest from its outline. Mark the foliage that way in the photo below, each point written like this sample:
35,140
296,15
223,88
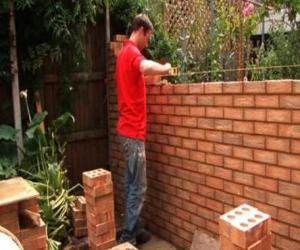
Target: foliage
43,166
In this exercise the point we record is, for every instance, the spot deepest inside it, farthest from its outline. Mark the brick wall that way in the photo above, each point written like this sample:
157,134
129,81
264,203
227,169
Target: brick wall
212,147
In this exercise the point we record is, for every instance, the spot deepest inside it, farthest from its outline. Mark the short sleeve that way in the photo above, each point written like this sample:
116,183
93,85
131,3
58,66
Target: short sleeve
136,62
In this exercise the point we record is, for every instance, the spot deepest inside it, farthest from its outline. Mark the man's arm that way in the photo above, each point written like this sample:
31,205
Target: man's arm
148,67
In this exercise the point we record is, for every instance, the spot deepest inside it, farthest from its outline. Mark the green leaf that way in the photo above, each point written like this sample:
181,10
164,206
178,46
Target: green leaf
35,123
62,120
8,133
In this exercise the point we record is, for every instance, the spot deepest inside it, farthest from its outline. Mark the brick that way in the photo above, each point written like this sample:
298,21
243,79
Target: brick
296,116
283,116
96,177
190,186
289,101
183,153
223,125
77,214
213,88
266,101
289,189
169,150
196,88
31,204
214,159
266,183
80,232
188,206
95,192
214,182
233,188
289,217
243,153
296,176
182,214
243,178
255,194
296,86
286,243
189,100
206,123
174,120
214,136
197,111
36,243
243,127
232,163
205,146
197,156
196,133
190,122
79,223
254,168
254,141
174,141
168,110
155,109
278,173
234,139
255,87
278,200
295,233
174,100
101,229
214,205
255,114
232,88
223,149
213,112
233,113
243,101
168,130
271,210
205,169
161,99
265,156
206,100
289,160
279,87
292,131
278,144
101,204
296,205
181,89
182,110
224,101
224,197
265,128
167,89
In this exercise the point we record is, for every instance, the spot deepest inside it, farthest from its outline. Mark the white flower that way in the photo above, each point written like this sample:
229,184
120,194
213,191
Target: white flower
23,94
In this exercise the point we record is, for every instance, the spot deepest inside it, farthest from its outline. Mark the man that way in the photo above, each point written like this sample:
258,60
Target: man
131,127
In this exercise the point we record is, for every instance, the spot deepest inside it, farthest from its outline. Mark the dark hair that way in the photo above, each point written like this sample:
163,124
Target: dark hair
141,20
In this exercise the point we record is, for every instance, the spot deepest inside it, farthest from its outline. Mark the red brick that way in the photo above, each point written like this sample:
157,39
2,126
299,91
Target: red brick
196,88
206,100
289,160
96,191
283,116
280,228
214,136
174,99
197,178
224,125
266,183
175,161
265,156
243,127
213,112
223,149
296,116
271,210
206,191
289,189
168,110
168,130
214,159
96,177
181,89
161,99
295,233
286,243
243,178
182,110
197,111
233,87
232,163
255,87
155,109
255,194
205,146
189,165
189,100
197,133
182,214
292,131
243,101
184,132
170,150
197,156
167,89
254,141
266,128
183,153
289,101
278,144
243,153
214,205
255,114
233,113
233,188
296,86
175,120
266,101
205,123
154,90
190,186
278,200
279,87
190,122
213,88
254,168
296,176
234,139
296,205
279,173
214,182
223,101
224,197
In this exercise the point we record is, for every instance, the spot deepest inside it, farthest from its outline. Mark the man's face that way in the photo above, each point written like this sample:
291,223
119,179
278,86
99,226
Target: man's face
145,38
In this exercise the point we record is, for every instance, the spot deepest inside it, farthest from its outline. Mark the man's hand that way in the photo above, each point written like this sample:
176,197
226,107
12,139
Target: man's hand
149,67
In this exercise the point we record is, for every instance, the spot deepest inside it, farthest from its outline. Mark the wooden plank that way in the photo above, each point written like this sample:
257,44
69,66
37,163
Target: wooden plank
76,77
86,135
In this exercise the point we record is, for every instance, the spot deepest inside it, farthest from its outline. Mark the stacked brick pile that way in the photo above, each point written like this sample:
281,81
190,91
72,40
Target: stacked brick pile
19,213
79,217
245,228
98,191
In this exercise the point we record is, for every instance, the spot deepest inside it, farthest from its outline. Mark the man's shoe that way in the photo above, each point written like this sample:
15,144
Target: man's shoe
143,236
122,239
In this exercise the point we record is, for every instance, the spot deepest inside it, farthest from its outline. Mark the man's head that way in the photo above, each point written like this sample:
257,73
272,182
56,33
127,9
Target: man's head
141,31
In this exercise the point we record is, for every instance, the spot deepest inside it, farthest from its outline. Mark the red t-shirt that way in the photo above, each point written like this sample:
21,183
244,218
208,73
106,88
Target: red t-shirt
131,92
